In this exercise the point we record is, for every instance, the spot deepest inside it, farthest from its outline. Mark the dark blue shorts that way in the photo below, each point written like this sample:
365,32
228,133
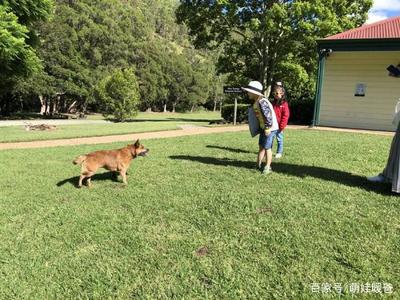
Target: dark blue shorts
267,141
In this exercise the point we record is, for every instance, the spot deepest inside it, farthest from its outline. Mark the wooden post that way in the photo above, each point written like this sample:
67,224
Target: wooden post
235,113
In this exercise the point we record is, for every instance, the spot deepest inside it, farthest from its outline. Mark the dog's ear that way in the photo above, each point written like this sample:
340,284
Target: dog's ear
137,143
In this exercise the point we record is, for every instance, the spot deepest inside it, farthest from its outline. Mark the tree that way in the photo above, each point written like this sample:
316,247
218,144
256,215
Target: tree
179,74
86,40
83,43
152,62
35,91
119,94
167,60
216,95
199,89
259,35
18,37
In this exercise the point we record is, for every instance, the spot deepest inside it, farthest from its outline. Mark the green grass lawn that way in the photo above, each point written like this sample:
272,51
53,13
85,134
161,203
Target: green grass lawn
314,220
144,122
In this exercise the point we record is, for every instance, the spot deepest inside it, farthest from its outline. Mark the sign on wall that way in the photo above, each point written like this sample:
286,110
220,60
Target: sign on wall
360,90
394,71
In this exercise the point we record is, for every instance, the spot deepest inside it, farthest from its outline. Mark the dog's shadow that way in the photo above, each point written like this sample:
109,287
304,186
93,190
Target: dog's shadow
111,176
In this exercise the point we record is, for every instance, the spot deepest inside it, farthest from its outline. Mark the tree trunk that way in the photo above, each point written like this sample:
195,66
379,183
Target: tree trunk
148,110
268,77
55,105
47,105
83,105
267,90
215,105
165,107
50,108
263,77
71,107
42,104
173,107
192,109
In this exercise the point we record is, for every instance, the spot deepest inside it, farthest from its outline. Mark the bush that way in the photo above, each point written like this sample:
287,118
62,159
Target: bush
228,112
119,94
302,111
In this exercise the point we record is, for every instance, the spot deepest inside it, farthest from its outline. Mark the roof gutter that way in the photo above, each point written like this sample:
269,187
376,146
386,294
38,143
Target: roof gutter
392,44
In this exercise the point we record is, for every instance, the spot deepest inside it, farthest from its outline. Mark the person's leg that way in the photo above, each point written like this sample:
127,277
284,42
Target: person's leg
261,151
269,158
390,172
268,152
279,138
261,155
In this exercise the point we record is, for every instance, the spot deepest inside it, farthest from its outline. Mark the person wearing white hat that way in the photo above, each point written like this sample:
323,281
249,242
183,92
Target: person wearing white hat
268,125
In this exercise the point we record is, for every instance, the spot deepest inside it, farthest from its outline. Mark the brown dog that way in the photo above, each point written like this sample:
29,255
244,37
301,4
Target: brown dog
112,160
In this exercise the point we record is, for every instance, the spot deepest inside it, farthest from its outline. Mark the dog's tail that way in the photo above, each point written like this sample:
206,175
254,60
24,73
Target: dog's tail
79,160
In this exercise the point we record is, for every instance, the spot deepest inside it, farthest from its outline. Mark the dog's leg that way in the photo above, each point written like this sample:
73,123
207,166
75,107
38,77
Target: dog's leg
83,175
89,178
123,174
80,180
89,183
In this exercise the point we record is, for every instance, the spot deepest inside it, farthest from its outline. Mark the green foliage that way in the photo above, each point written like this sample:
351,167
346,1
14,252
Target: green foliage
180,76
78,48
85,40
269,40
18,58
228,110
29,11
119,94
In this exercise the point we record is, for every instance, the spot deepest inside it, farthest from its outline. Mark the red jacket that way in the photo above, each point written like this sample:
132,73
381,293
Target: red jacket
282,113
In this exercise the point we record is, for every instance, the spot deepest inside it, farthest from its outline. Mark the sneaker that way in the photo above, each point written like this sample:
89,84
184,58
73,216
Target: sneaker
379,178
278,155
266,171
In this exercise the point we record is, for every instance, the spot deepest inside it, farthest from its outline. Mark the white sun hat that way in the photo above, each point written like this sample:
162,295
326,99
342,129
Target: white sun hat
254,87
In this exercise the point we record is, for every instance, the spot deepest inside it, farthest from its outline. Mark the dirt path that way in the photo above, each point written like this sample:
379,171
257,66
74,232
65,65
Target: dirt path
121,138
186,130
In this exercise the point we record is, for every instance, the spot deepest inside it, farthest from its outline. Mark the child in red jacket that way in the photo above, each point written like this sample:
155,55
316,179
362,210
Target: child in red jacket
282,113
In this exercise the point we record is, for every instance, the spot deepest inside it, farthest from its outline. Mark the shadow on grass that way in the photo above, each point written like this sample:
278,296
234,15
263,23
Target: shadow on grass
234,150
300,171
97,177
32,116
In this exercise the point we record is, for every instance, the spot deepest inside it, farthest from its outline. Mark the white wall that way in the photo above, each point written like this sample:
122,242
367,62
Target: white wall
343,71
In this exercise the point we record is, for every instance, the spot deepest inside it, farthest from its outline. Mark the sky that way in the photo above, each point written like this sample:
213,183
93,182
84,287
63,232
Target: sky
383,9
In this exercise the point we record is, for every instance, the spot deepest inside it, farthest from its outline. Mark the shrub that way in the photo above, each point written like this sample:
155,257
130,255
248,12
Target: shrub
228,112
302,110
119,94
